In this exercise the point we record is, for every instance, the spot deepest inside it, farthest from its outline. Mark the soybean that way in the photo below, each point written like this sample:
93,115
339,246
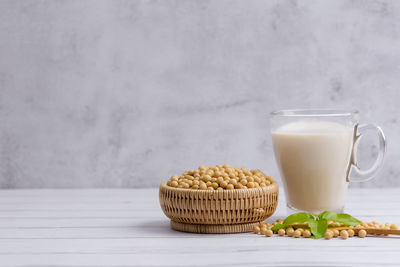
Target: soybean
256,229
224,176
281,232
344,234
290,231
307,233
269,233
328,234
297,234
351,232
362,233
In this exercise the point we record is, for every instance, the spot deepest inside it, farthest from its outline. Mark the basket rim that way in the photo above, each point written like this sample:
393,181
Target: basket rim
273,186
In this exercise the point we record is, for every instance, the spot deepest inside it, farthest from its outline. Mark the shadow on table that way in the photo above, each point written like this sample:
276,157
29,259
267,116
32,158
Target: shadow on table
162,227
156,227
382,236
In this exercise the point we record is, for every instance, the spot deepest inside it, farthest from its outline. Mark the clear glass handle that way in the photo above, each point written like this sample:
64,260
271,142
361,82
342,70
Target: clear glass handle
365,175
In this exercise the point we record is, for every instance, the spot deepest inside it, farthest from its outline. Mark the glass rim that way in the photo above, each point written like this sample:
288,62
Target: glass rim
314,113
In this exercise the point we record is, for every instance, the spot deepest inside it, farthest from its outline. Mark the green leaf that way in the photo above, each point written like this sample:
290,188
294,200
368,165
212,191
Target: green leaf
313,224
341,217
318,223
347,219
297,218
294,218
277,227
318,228
328,215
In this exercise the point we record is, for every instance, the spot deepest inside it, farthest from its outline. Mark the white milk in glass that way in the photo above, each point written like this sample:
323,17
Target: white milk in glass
313,158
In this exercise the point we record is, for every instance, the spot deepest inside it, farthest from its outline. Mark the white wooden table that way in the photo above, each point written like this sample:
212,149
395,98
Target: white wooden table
119,227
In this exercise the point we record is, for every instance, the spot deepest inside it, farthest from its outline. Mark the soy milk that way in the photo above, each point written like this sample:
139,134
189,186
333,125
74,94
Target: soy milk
313,158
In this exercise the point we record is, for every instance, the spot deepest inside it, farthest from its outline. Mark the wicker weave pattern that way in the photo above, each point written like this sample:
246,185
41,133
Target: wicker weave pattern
213,228
237,206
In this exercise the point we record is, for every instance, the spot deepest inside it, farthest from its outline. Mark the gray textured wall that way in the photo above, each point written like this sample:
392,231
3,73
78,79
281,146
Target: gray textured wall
127,93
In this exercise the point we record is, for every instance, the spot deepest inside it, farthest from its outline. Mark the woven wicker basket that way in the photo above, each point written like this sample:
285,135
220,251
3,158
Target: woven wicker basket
228,211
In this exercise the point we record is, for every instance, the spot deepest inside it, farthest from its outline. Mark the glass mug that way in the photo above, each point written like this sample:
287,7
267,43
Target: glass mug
315,151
